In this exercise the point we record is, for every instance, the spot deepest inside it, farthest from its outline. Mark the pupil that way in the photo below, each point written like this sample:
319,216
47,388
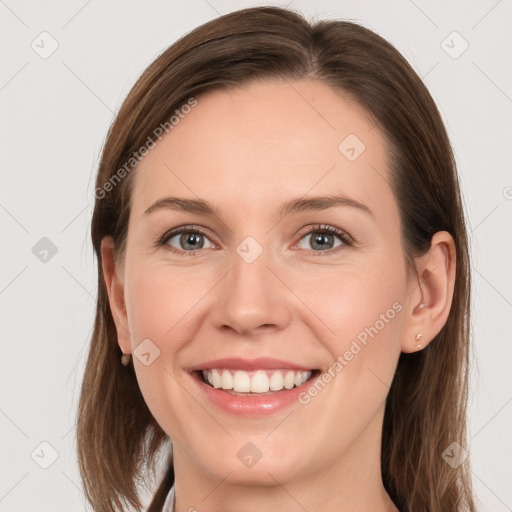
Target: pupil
321,240
191,241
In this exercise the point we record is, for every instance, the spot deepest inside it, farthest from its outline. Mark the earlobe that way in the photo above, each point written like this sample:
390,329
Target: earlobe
115,291
431,296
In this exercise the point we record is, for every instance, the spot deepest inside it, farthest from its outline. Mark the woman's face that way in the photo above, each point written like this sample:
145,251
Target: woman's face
258,290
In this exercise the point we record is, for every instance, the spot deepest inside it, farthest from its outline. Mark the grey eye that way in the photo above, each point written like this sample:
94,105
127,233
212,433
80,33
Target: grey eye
321,241
188,241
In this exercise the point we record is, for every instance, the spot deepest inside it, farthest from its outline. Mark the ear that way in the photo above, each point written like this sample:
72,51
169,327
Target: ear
115,290
431,293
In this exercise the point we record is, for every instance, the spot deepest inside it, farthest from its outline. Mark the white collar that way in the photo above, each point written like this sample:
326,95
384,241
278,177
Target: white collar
169,501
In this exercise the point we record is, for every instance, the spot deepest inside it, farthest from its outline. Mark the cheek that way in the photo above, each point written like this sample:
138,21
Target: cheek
357,303
160,300
159,307
165,305
366,317
362,307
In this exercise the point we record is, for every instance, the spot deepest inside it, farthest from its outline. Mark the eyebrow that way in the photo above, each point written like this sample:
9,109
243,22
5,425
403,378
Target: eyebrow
301,204
321,203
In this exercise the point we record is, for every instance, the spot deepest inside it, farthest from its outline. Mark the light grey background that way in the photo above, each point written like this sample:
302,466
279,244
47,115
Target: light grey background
55,113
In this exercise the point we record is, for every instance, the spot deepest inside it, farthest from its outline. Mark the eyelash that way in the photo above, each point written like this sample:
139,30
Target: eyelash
319,228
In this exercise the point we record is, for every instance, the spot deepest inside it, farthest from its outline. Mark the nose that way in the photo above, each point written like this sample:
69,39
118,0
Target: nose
252,298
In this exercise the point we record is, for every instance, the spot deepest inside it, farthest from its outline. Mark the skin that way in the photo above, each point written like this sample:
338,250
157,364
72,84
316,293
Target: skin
290,303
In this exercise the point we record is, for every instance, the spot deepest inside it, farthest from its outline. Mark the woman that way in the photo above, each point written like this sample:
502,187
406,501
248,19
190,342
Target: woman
283,285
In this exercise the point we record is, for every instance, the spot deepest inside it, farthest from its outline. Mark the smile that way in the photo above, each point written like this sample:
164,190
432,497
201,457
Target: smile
255,382
252,387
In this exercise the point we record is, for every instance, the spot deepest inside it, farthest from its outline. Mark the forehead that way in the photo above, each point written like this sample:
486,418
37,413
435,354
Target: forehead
264,142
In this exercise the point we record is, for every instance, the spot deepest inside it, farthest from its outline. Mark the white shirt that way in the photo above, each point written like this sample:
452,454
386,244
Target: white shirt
169,501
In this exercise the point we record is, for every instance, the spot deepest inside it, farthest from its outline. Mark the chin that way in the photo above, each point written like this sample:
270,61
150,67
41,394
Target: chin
266,468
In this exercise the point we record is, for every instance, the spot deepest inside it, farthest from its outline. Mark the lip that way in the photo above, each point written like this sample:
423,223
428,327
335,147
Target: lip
251,406
261,363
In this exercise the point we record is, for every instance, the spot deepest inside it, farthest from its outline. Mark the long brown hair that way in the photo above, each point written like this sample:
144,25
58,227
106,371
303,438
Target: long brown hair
117,437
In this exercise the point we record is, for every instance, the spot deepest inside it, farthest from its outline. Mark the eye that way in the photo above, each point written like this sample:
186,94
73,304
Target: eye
324,238
185,240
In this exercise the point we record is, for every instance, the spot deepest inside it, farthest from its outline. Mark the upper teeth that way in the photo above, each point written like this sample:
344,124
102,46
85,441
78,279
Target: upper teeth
259,381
